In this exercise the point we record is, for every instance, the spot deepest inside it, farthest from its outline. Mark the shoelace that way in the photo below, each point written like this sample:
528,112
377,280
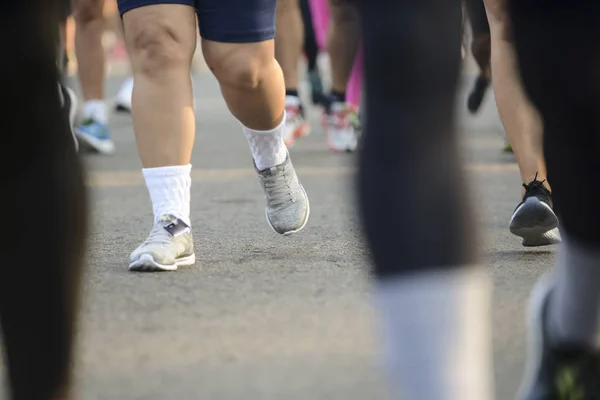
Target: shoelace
535,184
158,234
278,189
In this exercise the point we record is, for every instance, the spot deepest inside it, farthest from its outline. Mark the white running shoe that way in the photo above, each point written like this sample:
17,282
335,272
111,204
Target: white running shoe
342,126
123,98
168,246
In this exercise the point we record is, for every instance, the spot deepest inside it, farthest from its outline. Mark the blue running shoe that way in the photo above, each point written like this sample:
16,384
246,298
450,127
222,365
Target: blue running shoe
96,136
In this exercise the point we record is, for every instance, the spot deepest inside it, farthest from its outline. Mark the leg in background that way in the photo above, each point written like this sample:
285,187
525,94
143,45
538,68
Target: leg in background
288,48
481,50
343,41
122,101
311,49
533,219
93,133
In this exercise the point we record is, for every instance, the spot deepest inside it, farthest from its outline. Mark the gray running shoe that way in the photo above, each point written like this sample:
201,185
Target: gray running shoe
168,246
534,219
287,205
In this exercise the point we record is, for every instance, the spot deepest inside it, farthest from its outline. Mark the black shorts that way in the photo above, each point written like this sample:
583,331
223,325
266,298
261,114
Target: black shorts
227,21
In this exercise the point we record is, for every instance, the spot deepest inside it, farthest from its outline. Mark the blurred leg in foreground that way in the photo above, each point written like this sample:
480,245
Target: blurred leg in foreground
433,299
39,284
557,44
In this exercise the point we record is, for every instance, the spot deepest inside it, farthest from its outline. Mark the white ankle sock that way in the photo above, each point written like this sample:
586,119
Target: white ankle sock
575,301
267,147
126,89
292,101
96,110
437,336
169,189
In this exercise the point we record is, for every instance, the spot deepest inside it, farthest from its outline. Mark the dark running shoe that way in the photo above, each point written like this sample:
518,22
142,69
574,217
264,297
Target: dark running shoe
477,94
533,219
556,372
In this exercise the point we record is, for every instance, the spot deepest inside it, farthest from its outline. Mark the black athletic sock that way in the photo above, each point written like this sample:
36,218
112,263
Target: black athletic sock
311,47
291,92
337,97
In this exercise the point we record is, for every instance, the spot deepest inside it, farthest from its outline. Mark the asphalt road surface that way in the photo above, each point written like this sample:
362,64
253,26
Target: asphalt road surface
262,316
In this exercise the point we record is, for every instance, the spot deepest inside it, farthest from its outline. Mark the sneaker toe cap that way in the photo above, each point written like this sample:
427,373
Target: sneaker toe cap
288,219
160,257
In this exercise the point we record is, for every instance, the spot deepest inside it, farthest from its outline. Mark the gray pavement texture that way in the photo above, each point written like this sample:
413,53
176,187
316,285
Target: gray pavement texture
262,316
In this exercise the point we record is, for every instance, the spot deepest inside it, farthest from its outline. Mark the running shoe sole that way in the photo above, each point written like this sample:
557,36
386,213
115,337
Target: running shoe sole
536,223
347,149
146,263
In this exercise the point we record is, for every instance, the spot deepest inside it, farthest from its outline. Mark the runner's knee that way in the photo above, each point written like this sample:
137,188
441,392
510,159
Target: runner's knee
158,45
244,66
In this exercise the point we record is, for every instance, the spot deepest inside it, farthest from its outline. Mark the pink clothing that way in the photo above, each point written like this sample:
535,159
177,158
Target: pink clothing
356,80
320,15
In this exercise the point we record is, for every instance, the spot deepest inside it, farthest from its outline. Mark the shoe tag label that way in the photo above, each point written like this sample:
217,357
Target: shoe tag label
177,227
